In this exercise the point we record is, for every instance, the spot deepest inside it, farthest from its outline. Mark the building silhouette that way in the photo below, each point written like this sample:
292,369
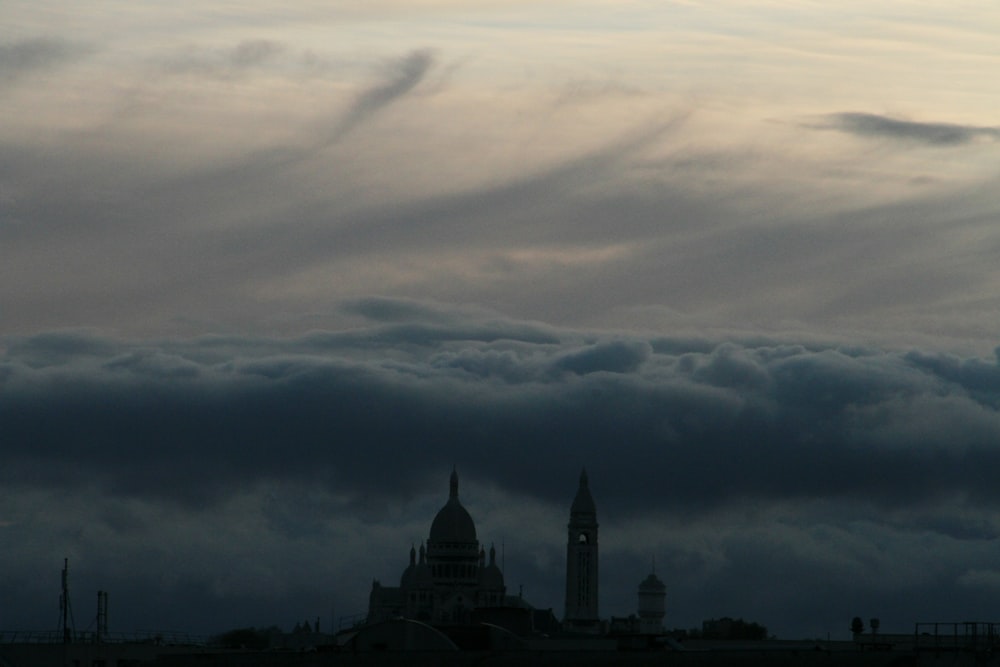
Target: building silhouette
448,578
451,580
652,605
582,563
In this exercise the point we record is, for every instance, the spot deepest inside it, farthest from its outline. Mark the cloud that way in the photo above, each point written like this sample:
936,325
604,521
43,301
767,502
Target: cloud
21,57
384,309
254,209
766,418
399,78
61,347
981,579
250,53
245,56
932,134
613,357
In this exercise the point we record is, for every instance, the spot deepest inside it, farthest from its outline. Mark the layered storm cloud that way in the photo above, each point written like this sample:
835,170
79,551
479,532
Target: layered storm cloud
771,420
709,456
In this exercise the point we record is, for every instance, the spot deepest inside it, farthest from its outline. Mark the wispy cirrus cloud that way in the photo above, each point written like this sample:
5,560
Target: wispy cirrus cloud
399,78
896,129
227,62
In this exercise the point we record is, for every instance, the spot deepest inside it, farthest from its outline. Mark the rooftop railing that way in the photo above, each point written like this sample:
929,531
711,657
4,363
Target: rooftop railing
169,638
964,636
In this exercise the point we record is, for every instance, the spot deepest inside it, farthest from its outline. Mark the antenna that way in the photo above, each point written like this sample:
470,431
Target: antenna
66,622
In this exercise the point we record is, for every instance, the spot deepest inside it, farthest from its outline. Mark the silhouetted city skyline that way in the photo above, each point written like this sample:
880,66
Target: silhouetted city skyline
269,268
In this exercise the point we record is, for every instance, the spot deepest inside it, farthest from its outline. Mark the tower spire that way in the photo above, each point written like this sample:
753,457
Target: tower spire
581,562
453,491
583,503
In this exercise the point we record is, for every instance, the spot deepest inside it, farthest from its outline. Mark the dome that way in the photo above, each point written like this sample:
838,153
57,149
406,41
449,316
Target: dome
652,584
652,602
453,523
406,579
490,577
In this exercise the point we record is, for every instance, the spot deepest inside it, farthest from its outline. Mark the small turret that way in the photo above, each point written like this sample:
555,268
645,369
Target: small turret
652,604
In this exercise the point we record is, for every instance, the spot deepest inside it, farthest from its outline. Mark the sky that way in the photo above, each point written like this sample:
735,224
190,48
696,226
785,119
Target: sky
270,270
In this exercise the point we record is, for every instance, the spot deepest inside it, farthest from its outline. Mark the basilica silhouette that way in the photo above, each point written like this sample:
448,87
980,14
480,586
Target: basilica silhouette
451,580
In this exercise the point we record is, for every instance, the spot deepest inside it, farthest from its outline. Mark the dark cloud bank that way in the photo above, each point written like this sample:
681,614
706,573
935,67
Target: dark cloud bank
763,475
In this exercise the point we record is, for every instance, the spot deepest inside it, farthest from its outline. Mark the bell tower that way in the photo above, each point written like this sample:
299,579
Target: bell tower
581,562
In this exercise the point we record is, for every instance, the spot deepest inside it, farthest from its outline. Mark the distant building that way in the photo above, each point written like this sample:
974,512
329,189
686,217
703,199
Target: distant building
642,630
652,605
446,580
727,628
581,563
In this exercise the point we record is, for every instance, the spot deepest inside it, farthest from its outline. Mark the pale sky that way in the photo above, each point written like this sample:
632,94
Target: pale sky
707,225
788,167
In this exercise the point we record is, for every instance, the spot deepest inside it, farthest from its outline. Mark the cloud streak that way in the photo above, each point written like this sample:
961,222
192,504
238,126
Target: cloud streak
399,78
244,57
894,129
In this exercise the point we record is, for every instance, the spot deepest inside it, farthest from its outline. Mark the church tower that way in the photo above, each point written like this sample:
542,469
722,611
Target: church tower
581,562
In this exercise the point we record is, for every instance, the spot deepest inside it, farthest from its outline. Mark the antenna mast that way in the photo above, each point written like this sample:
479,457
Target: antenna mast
66,621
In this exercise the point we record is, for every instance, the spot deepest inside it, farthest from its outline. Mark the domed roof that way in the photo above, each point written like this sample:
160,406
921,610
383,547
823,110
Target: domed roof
491,577
453,523
406,579
652,583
